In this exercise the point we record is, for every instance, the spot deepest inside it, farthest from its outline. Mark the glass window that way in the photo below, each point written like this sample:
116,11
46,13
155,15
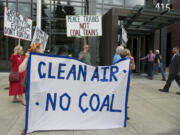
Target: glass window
76,4
105,11
98,1
34,10
99,6
2,4
2,46
34,1
132,3
114,2
46,1
24,9
1,24
45,24
10,46
24,0
11,0
12,6
45,11
98,12
77,0
78,10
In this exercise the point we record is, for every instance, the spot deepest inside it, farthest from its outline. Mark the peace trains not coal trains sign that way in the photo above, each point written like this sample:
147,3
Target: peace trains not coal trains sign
84,25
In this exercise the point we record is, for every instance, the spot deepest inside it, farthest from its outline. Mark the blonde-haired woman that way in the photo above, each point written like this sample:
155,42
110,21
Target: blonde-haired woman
15,87
126,53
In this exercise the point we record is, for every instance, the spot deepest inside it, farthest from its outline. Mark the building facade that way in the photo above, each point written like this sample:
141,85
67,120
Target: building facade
53,23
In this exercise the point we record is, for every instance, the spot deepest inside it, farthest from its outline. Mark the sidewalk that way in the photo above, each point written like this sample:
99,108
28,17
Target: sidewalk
151,112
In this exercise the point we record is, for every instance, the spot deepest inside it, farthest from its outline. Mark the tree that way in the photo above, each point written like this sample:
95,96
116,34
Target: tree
69,10
1,14
1,9
44,22
2,37
59,14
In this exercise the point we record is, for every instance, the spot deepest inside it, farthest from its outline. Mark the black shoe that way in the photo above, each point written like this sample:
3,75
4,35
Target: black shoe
178,93
150,78
162,90
128,118
163,79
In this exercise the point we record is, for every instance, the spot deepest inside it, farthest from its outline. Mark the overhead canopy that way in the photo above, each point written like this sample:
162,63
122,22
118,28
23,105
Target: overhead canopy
142,20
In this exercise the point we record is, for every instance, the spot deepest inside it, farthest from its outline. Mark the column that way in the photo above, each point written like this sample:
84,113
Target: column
138,54
143,50
92,40
163,45
38,16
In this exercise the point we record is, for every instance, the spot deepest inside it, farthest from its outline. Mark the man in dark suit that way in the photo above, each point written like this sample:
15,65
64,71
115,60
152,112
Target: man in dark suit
174,70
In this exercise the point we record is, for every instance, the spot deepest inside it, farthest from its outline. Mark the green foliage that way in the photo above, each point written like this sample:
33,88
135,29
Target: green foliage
60,13
44,15
44,22
69,10
1,9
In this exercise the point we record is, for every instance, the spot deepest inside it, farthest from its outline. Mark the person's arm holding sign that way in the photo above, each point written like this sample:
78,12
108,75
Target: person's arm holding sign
23,65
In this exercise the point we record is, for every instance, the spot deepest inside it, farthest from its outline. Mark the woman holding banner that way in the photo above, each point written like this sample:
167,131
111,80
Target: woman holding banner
36,47
15,78
126,53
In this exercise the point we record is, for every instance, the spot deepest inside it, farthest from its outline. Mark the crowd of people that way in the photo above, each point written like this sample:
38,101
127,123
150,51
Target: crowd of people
19,62
155,62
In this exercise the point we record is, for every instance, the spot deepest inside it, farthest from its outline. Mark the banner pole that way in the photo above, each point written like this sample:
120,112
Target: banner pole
19,42
84,40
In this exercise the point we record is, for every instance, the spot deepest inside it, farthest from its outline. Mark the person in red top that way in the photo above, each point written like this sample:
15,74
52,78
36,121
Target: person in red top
15,88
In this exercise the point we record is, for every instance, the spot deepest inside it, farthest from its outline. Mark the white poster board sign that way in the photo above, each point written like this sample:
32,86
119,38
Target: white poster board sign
124,36
66,94
17,25
40,37
84,25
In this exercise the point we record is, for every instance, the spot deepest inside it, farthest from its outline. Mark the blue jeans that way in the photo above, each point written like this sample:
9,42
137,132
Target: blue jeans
161,70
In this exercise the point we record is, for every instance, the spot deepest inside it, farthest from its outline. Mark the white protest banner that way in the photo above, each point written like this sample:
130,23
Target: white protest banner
16,25
84,25
66,94
124,36
40,37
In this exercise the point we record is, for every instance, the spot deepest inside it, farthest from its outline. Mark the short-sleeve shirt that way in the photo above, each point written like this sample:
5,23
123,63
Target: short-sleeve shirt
116,58
157,57
87,58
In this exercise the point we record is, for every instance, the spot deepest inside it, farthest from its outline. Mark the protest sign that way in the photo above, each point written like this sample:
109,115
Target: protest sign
16,25
124,36
66,94
84,25
40,37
